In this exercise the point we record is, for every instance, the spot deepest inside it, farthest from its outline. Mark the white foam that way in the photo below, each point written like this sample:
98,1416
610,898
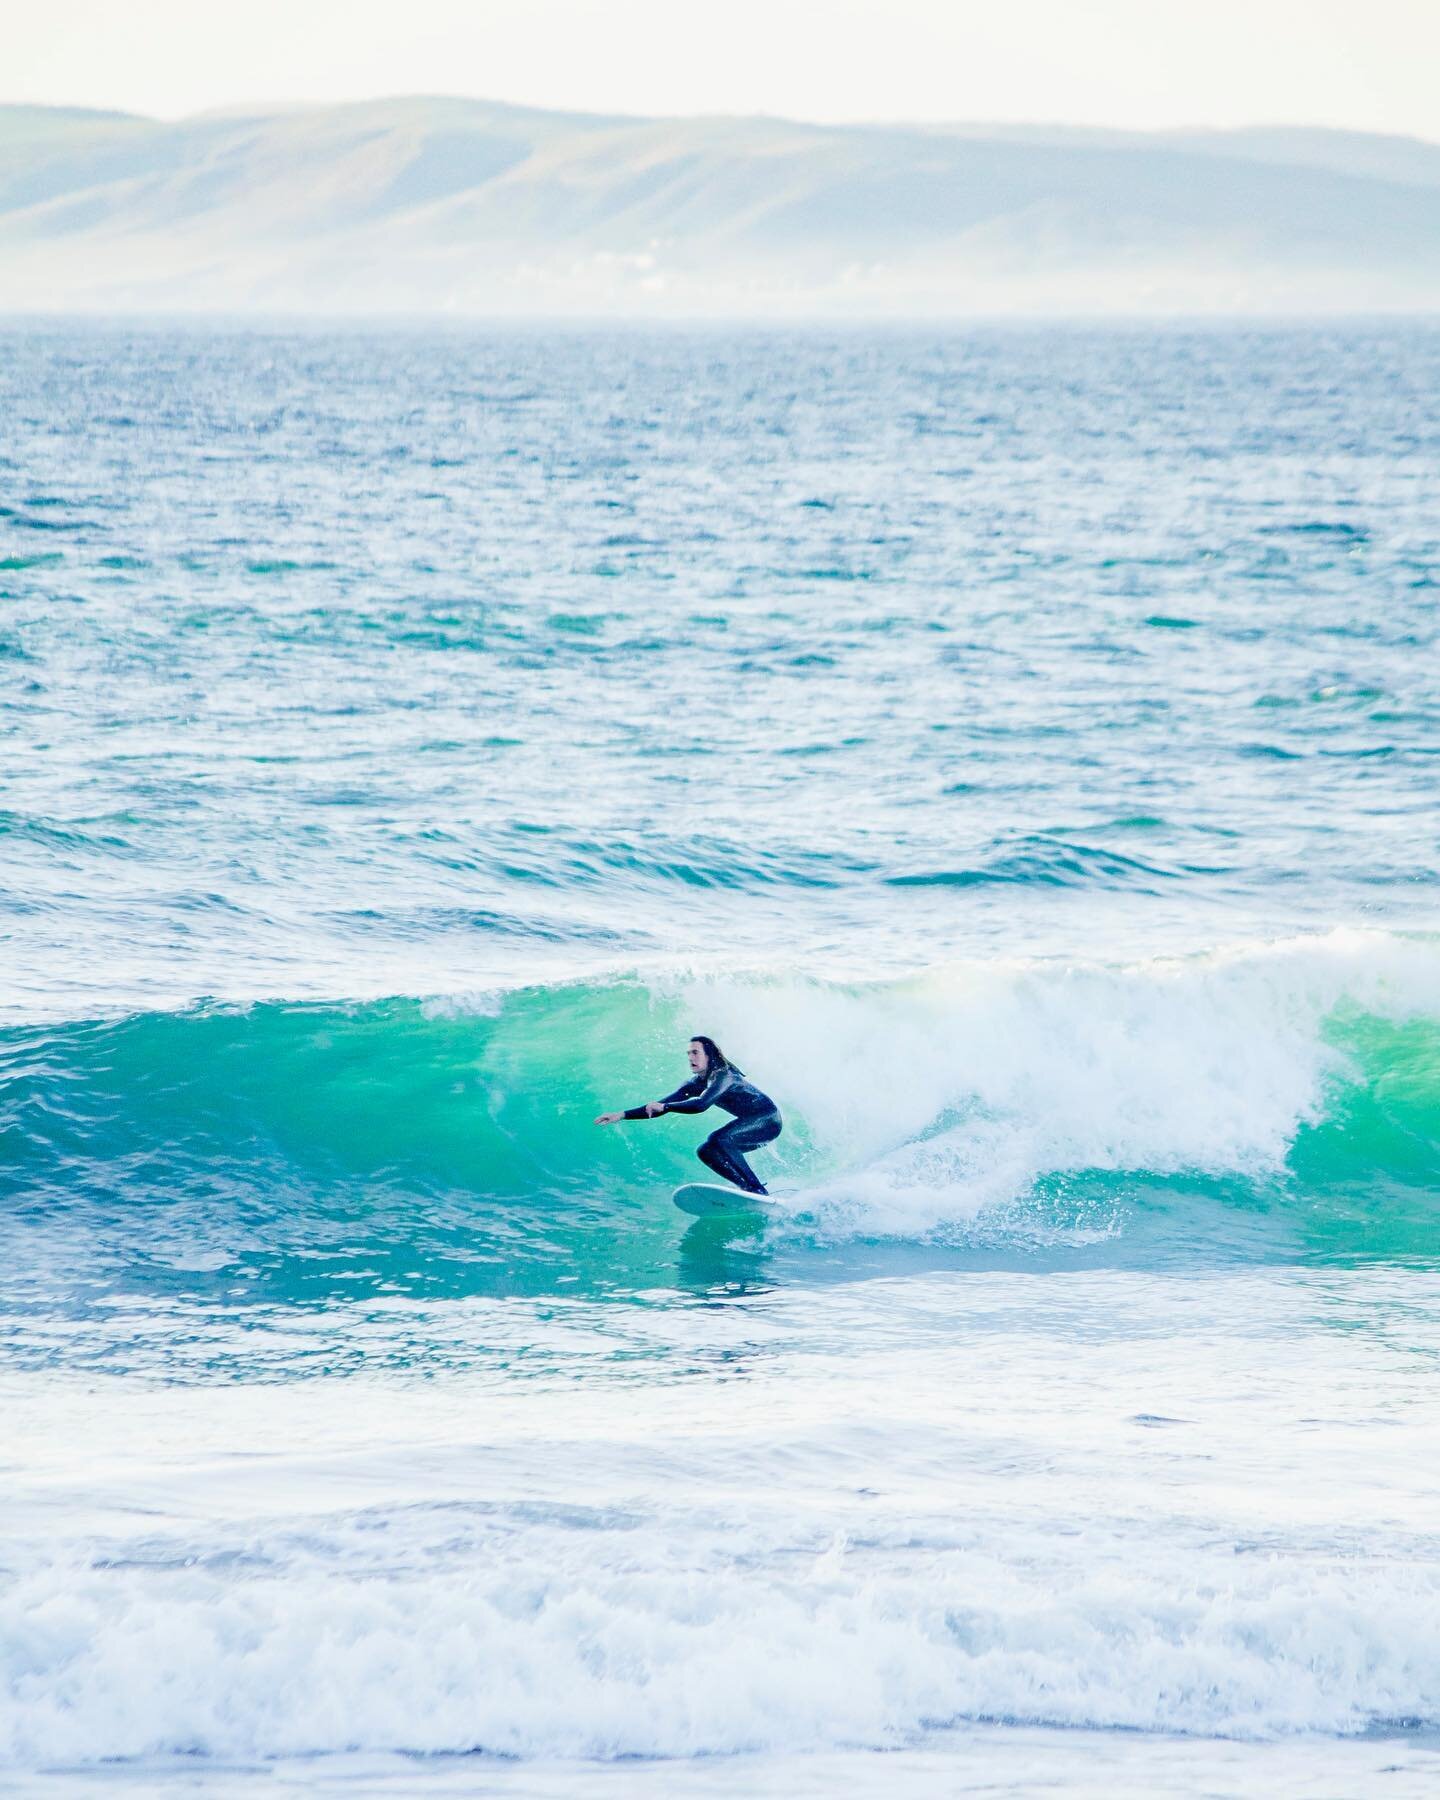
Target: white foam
590,1653
934,1098
823,1518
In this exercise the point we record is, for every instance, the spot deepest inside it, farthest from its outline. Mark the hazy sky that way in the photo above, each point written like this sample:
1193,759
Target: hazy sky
1367,64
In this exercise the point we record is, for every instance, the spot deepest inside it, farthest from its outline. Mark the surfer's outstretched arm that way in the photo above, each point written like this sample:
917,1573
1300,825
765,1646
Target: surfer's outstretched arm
652,1109
690,1097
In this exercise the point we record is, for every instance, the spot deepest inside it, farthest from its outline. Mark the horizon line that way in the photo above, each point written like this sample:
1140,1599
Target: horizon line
240,109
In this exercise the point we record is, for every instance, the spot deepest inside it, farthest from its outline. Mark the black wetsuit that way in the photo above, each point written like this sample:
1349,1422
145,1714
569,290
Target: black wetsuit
756,1122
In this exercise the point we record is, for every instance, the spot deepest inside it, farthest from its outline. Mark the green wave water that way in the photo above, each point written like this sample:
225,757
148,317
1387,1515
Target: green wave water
449,1147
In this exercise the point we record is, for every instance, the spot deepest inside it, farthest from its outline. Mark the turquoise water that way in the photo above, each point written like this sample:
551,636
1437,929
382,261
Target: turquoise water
1017,748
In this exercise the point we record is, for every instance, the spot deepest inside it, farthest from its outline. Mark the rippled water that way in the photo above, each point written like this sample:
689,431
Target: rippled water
1017,748
385,663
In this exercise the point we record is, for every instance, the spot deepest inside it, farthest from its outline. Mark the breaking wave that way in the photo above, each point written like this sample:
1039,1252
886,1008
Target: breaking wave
1290,1086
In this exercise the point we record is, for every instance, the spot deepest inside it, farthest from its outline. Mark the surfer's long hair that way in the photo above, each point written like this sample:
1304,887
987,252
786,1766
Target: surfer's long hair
715,1057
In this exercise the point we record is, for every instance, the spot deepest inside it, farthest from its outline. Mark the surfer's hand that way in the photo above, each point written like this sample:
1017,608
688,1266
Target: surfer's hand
609,1118
654,1108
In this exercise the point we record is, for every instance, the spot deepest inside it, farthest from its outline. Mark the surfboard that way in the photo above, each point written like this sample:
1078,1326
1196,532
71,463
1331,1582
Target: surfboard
706,1201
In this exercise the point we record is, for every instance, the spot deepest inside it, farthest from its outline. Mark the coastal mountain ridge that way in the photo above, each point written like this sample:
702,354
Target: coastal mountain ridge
433,205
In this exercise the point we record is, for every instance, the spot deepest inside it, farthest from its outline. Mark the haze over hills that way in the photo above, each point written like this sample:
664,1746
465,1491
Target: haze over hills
432,205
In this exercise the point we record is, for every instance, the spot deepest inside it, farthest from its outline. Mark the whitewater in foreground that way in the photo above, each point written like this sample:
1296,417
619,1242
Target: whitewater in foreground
1017,750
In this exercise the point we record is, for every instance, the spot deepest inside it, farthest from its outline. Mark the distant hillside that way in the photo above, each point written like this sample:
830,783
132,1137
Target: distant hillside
465,207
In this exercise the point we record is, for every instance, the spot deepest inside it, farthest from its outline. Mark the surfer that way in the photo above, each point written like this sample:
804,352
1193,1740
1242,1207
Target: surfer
715,1081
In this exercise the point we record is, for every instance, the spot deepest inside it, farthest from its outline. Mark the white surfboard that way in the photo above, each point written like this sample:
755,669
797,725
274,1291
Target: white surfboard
706,1201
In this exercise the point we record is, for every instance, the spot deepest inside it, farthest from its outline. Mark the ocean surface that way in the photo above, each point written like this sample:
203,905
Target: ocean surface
1019,750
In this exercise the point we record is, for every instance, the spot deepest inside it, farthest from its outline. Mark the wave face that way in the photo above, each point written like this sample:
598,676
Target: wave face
1276,1100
